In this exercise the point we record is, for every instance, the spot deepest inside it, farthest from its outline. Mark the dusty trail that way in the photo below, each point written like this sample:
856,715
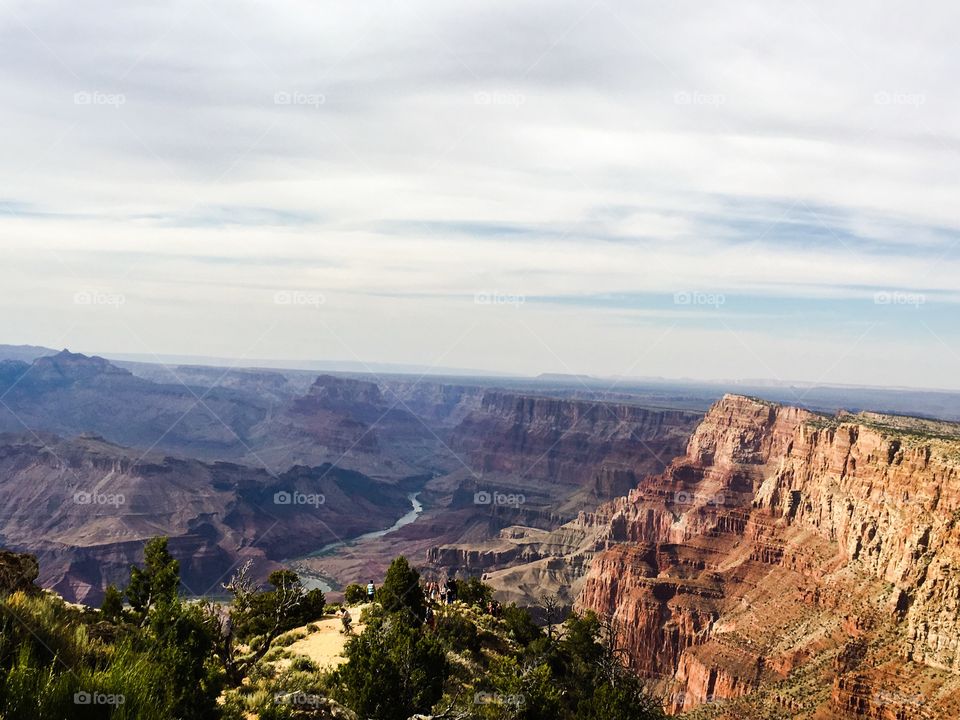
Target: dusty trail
324,646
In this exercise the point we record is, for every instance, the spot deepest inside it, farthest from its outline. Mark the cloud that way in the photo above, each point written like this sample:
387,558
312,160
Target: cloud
399,158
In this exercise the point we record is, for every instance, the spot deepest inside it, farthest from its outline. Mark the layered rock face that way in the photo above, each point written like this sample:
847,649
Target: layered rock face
791,565
532,464
600,448
442,405
86,507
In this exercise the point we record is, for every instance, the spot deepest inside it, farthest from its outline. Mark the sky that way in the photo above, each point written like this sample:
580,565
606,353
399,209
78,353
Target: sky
678,189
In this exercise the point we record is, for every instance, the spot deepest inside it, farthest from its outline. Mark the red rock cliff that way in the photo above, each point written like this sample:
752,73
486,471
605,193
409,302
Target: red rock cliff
602,446
778,539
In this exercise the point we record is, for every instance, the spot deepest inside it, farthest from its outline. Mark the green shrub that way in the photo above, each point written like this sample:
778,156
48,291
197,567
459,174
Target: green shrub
393,670
48,660
458,633
401,592
520,625
354,594
303,664
474,592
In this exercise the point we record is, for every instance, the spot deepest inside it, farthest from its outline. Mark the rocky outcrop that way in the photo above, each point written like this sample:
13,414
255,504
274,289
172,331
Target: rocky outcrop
70,394
258,418
354,423
891,504
779,537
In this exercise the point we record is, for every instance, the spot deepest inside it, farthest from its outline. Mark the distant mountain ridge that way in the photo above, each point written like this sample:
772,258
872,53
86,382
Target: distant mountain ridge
675,393
258,422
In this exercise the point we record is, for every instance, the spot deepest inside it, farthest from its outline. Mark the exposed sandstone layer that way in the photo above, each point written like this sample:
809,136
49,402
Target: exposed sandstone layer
440,404
598,449
740,576
525,465
533,464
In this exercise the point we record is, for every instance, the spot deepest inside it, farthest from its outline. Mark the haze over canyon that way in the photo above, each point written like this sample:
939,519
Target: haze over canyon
750,554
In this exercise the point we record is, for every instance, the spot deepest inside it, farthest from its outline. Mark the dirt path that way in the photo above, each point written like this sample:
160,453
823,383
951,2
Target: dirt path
325,644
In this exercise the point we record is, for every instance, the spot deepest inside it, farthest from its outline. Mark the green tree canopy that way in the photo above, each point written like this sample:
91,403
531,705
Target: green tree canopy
393,670
157,582
401,592
112,606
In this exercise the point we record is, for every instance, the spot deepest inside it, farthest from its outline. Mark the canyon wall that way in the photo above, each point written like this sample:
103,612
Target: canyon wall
85,508
440,404
532,464
599,448
776,543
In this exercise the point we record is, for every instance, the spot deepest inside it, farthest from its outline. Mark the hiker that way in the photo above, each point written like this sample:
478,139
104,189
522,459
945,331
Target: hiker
370,590
428,616
451,590
345,620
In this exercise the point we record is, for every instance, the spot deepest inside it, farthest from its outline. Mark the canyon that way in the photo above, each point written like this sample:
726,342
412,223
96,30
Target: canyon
196,454
789,565
751,559
519,461
86,507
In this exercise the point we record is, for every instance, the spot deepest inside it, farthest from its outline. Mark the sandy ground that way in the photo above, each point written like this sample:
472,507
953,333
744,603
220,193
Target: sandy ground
325,645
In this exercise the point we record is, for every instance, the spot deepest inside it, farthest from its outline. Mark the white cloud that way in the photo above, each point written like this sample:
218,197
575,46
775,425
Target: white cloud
786,151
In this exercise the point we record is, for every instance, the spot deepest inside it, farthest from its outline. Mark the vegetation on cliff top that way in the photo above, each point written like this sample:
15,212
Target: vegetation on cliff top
161,656
939,435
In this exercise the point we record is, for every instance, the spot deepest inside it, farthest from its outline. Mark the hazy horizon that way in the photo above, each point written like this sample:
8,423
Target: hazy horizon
376,368
763,191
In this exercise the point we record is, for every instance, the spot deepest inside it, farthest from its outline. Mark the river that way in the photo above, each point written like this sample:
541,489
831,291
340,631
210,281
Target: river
313,580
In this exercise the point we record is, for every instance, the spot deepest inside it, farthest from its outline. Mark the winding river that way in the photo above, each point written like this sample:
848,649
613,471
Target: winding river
313,580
